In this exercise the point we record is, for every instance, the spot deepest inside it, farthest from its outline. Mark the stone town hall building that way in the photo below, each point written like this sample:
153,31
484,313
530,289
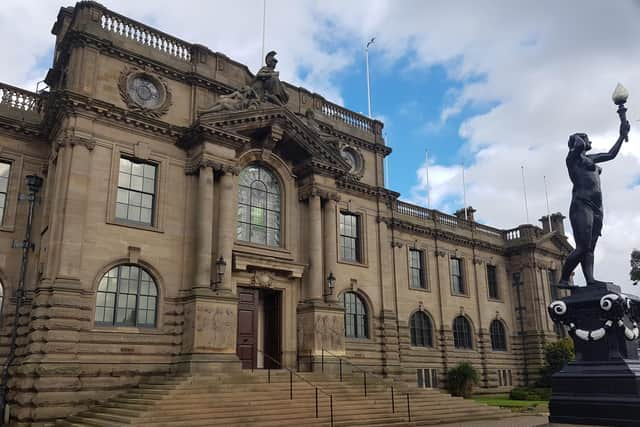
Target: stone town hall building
161,158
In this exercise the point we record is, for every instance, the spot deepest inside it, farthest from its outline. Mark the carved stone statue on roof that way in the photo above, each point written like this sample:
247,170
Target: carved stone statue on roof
267,82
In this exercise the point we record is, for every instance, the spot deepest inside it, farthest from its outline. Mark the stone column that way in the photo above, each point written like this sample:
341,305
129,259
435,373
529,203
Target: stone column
315,279
330,245
227,223
204,227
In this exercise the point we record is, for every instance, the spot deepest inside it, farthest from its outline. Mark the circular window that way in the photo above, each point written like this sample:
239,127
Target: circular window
353,158
145,91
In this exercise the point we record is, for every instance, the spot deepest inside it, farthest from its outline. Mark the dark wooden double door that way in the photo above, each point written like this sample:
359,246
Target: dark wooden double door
249,301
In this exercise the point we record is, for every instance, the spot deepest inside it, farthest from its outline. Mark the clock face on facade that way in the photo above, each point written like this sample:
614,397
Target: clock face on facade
145,92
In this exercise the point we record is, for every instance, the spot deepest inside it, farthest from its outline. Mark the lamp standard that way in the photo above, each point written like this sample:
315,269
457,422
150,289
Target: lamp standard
366,58
34,183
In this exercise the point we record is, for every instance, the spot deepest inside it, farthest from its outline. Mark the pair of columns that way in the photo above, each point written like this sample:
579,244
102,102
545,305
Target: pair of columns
317,284
225,235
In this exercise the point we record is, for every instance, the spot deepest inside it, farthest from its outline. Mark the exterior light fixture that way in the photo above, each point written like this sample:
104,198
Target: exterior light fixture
34,182
221,266
331,283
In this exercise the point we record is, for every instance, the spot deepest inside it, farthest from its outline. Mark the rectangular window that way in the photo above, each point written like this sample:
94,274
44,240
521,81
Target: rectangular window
551,278
504,377
456,276
350,237
416,269
136,191
5,169
492,282
427,377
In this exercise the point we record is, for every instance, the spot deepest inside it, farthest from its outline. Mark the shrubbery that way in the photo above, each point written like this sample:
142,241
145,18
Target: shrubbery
521,393
557,355
461,379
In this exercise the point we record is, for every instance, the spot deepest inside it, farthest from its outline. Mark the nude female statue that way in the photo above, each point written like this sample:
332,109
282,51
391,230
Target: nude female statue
586,212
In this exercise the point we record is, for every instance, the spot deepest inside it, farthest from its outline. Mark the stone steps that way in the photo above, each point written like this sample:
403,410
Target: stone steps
247,399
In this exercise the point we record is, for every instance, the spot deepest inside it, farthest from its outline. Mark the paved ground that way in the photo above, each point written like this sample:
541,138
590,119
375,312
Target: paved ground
523,421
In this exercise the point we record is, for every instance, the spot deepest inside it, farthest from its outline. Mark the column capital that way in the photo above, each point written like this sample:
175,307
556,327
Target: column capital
309,191
195,164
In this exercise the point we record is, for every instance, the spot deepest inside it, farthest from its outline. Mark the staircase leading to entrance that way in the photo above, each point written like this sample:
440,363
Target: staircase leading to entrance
249,399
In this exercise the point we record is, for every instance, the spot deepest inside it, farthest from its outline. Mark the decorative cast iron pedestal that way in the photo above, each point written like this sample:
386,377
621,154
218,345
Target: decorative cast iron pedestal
602,387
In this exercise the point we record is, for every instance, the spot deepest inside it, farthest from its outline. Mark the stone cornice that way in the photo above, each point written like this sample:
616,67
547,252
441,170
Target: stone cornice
376,148
311,190
20,127
199,162
361,189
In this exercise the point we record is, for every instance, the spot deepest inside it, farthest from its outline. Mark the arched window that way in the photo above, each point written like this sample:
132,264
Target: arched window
127,296
421,330
1,298
462,337
355,316
259,207
498,336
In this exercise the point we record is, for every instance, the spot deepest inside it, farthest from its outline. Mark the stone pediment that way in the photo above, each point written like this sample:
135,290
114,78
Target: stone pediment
554,242
273,128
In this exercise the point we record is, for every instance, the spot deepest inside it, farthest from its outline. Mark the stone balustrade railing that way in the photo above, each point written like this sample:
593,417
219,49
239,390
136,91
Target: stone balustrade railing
412,210
19,99
351,118
147,36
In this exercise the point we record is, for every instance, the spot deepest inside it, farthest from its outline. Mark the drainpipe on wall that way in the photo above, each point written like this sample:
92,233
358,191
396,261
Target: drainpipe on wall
34,183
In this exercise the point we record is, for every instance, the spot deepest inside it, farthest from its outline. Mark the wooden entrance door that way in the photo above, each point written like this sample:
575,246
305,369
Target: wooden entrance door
247,326
272,329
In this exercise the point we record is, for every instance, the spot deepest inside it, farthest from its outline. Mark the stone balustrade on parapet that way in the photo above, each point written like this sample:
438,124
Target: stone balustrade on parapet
21,104
194,60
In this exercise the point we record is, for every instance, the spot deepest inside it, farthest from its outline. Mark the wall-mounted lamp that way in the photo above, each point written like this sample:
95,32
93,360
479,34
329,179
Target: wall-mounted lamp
331,283
221,266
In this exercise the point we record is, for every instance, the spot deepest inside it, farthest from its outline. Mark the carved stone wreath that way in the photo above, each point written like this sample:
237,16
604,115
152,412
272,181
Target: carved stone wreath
144,93
354,158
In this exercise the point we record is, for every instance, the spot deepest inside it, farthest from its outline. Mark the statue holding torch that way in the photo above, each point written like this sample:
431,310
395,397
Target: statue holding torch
586,213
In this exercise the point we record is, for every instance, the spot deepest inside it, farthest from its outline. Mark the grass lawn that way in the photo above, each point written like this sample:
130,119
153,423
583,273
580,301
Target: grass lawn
503,401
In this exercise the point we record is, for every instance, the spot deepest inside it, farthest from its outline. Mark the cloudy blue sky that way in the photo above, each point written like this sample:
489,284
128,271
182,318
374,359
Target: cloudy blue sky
492,85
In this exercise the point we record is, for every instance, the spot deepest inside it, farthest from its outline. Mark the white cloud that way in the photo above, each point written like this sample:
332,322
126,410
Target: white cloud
548,67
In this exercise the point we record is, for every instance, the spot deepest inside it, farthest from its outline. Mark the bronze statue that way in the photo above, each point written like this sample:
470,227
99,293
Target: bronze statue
586,213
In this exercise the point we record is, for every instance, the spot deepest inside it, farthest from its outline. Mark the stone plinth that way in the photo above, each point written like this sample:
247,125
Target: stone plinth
320,336
602,387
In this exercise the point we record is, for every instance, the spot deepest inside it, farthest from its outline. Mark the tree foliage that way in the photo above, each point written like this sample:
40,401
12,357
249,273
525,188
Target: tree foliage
461,379
556,356
635,266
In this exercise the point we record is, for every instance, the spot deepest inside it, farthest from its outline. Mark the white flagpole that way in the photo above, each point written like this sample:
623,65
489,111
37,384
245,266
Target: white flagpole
464,194
366,58
546,195
386,163
264,26
426,163
524,189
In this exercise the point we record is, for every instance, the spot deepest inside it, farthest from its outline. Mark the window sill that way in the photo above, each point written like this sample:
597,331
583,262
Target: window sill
420,289
357,340
467,350
460,295
7,228
353,263
136,225
496,300
133,330
248,246
422,348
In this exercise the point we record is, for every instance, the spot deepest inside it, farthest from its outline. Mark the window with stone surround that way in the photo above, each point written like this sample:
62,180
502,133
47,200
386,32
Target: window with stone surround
462,335
498,336
355,316
5,170
350,237
421,330
259,207
492,282
127,296
417,277
1,298
457,277
136,191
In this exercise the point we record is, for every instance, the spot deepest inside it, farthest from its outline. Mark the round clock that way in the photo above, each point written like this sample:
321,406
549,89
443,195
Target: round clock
145,92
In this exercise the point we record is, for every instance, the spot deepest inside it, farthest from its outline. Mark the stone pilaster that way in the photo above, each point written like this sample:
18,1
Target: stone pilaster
204,221
330,246
227,224
315,277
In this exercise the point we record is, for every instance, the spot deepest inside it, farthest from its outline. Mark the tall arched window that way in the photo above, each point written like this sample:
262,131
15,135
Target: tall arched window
127,296
462,336
259,207
421,330
355,316
498,336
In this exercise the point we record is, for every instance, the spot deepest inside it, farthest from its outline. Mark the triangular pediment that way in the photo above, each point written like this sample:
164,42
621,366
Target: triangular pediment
554,242
277,129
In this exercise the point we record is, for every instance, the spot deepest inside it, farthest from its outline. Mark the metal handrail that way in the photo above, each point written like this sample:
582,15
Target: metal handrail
291,374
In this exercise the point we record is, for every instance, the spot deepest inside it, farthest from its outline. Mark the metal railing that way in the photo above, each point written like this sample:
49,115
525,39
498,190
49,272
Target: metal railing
291,375
366,373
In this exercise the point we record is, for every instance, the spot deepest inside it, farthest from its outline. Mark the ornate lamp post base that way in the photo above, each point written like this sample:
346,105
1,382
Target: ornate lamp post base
602,387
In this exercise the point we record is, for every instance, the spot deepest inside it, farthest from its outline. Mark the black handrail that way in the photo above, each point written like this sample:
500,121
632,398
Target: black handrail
291,374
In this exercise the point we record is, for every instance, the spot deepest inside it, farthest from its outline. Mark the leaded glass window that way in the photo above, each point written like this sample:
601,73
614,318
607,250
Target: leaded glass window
5,169
259,207
349,237
421,330
462,337
136,191
355,316
492,282
457,279
498,336
127,296
416,269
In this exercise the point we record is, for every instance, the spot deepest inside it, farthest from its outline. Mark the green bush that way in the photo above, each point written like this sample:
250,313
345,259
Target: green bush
461,379
557,355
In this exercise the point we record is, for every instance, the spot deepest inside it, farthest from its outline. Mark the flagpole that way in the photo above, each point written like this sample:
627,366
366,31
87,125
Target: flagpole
366,58
524,189
386,163
464,194
546,195
426,163
264,26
